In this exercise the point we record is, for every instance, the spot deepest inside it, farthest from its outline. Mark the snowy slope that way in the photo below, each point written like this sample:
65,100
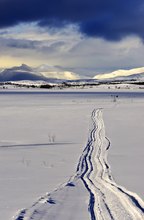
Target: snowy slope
131,74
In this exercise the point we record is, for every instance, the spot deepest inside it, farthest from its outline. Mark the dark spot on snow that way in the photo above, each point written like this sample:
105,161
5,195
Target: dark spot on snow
34,213
70,184
51,201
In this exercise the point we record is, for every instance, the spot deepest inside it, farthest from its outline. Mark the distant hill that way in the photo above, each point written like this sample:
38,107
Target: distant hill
22,72
132,74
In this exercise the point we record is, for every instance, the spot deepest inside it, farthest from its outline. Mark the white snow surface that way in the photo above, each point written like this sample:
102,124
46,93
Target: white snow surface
43,135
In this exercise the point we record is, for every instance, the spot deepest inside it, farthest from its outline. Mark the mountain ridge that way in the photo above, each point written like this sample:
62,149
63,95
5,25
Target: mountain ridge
48,73
24,72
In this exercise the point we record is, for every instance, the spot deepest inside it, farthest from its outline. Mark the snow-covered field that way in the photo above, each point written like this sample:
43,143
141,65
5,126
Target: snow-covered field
43,135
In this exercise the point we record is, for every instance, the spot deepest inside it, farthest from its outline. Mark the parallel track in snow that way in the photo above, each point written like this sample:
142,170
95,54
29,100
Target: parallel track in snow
107,200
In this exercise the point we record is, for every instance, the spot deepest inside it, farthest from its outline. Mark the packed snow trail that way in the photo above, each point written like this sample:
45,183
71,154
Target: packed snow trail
107,200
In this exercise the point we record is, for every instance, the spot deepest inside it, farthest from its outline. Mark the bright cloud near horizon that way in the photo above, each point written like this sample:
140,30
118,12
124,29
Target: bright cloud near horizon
85,37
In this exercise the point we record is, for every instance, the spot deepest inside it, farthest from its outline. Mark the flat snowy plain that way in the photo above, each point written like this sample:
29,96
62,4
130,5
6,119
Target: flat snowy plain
42,136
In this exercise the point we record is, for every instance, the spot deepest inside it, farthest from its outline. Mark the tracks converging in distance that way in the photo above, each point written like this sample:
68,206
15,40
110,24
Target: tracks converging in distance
107,200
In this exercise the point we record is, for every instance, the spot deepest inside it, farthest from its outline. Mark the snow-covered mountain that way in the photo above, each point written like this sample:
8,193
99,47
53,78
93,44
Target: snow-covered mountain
22,72
44,73
131,74
53,74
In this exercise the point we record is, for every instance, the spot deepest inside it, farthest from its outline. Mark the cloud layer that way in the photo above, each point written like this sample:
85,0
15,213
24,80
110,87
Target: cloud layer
111,20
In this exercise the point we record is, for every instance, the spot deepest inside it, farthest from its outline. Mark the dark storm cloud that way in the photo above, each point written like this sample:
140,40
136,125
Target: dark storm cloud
19,44
47,47
23,44
109,19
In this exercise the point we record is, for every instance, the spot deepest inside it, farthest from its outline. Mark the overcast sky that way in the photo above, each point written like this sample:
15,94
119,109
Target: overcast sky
84,36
